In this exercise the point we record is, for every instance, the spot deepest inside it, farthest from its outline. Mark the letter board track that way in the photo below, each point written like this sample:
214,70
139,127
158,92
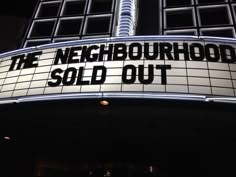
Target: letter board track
194,67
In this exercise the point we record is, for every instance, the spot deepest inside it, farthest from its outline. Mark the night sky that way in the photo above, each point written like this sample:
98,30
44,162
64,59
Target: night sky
14,18
23,8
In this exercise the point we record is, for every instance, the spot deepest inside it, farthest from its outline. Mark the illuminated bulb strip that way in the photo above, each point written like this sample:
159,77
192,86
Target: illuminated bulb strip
7,137
104,102
127,19
61,97
8,101
125,95
155,96
222,99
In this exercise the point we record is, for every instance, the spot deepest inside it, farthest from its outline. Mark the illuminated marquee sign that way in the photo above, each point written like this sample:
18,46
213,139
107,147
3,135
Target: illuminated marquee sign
141,66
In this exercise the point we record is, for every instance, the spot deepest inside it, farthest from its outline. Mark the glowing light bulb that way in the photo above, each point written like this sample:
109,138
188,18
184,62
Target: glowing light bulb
104,103
7,137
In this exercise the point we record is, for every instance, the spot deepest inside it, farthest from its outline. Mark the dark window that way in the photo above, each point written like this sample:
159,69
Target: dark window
69,27
42,28
74,8
219,33
100,6
214,16
48,10
72,19
36,43
98,25
64,39
210,1
192,33
174,19
171,3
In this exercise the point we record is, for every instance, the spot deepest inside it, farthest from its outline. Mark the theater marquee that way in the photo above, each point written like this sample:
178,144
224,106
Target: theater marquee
178,68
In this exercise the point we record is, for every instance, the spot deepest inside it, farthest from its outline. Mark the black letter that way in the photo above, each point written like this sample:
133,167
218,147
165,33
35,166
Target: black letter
193,53
150,74
216,53
165,49
73,53
95,74
163,69
21,62
105,52
31,58
83,54
120,49
223,52
80,77
147,51
131,51
125,74
177,51
71,80
89,52
14,60
57,77
62,57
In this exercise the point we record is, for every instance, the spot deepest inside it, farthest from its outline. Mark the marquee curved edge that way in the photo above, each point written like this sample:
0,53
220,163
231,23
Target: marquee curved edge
101,95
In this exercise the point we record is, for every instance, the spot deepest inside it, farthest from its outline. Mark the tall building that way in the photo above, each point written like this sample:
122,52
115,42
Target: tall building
109,88
56,21
73,20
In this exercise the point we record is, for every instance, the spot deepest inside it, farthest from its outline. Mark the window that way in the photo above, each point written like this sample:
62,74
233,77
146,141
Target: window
64,39
98,25
198,17
171,3
210,16
72,19
69,27
42,28
62,20
181,32
48,10
100,6
72,8
210,1
218,32
36,43
174,19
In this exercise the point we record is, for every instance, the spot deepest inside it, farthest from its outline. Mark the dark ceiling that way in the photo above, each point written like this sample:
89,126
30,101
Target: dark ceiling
23,8
15,17
184,138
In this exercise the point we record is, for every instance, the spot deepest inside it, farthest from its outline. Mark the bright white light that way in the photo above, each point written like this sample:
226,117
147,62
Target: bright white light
7,137
104,103
127,18
150,169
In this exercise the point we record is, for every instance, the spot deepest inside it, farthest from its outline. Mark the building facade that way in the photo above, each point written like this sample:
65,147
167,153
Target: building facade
110,88
72,20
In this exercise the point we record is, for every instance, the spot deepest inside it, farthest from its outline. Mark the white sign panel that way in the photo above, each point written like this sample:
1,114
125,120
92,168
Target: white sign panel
141,66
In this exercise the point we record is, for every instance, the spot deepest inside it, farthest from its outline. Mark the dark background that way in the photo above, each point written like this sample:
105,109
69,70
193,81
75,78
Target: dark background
15,17
179,138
